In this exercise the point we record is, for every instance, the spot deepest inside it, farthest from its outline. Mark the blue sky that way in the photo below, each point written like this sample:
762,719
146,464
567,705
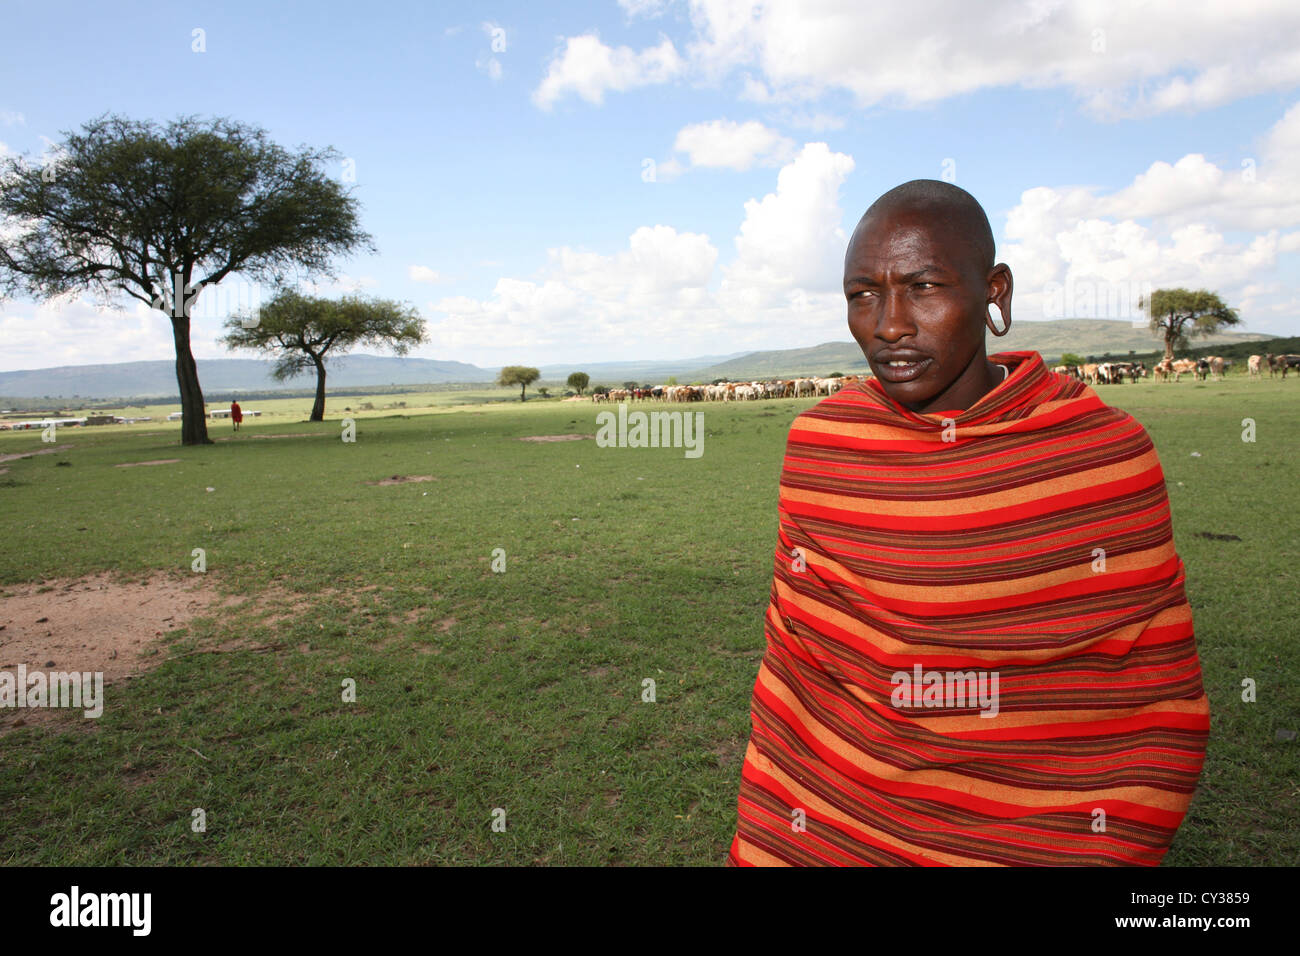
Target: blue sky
605,181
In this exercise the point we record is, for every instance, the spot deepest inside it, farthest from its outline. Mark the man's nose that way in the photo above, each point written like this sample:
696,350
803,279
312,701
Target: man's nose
895,318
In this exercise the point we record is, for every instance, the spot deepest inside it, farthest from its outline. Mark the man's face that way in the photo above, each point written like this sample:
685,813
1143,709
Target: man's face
917,300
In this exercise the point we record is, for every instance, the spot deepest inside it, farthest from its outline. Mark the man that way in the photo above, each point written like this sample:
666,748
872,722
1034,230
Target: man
979,650
236,414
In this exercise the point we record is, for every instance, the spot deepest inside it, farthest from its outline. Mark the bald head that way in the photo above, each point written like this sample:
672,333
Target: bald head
946,207
919,278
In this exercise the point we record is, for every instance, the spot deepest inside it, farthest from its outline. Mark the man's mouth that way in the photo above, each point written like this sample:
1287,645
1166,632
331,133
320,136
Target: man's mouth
901,370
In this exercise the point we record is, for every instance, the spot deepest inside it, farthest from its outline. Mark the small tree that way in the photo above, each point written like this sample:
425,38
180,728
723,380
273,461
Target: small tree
1071,358
300,330
161,212
1180,315
520,375
578,381
544,392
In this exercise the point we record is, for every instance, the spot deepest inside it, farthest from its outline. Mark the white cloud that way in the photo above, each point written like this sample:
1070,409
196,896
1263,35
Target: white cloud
423,274
589,68
79,331
731,145
12,118
1118,59
792,238
665,294
1083,251
587,299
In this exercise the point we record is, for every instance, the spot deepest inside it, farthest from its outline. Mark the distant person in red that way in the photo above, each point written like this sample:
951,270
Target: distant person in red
236,414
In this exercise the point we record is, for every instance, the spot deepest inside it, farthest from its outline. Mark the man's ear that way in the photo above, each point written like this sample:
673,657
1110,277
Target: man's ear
1000,285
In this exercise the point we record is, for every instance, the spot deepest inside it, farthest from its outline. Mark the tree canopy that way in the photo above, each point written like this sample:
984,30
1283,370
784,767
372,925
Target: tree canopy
301,330
521,375
1181,314
578,381
159,212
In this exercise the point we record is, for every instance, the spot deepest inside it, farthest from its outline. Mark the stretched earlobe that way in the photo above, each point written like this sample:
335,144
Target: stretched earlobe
988,320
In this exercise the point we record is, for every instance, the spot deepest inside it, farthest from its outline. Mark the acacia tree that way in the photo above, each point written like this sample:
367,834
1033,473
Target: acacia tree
161,212
1179,315
520,375
578,381
301,330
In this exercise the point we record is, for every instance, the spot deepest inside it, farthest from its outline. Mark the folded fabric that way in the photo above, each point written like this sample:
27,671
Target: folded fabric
979,648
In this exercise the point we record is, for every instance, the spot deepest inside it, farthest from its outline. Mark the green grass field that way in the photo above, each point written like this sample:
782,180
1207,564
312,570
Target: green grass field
523,690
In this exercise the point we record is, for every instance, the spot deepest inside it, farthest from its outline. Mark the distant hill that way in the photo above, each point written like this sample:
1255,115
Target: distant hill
148,379
616,373
1087,337
220,376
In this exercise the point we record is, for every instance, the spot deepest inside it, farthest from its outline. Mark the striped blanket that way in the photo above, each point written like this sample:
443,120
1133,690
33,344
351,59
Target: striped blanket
979,649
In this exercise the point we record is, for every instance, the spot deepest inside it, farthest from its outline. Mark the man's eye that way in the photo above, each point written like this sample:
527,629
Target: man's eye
925,285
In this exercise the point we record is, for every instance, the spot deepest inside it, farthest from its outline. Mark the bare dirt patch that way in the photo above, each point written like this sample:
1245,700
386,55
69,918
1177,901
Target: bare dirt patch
402,480
93,624
30,454
156,461
556,437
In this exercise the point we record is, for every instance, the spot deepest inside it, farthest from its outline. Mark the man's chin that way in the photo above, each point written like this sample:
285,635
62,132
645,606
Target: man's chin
911,395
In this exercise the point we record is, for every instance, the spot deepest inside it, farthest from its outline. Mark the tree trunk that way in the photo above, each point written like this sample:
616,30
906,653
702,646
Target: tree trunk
521,391
1169,339
194,423
318,410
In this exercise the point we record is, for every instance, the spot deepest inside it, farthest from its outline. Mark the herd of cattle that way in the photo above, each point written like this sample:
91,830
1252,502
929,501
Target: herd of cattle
1106,373
728,391
1211,366
1103,373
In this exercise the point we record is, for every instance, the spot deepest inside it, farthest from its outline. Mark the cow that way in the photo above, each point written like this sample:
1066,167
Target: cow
1121,370
1289,363
1163,370
1090,373
1253,366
